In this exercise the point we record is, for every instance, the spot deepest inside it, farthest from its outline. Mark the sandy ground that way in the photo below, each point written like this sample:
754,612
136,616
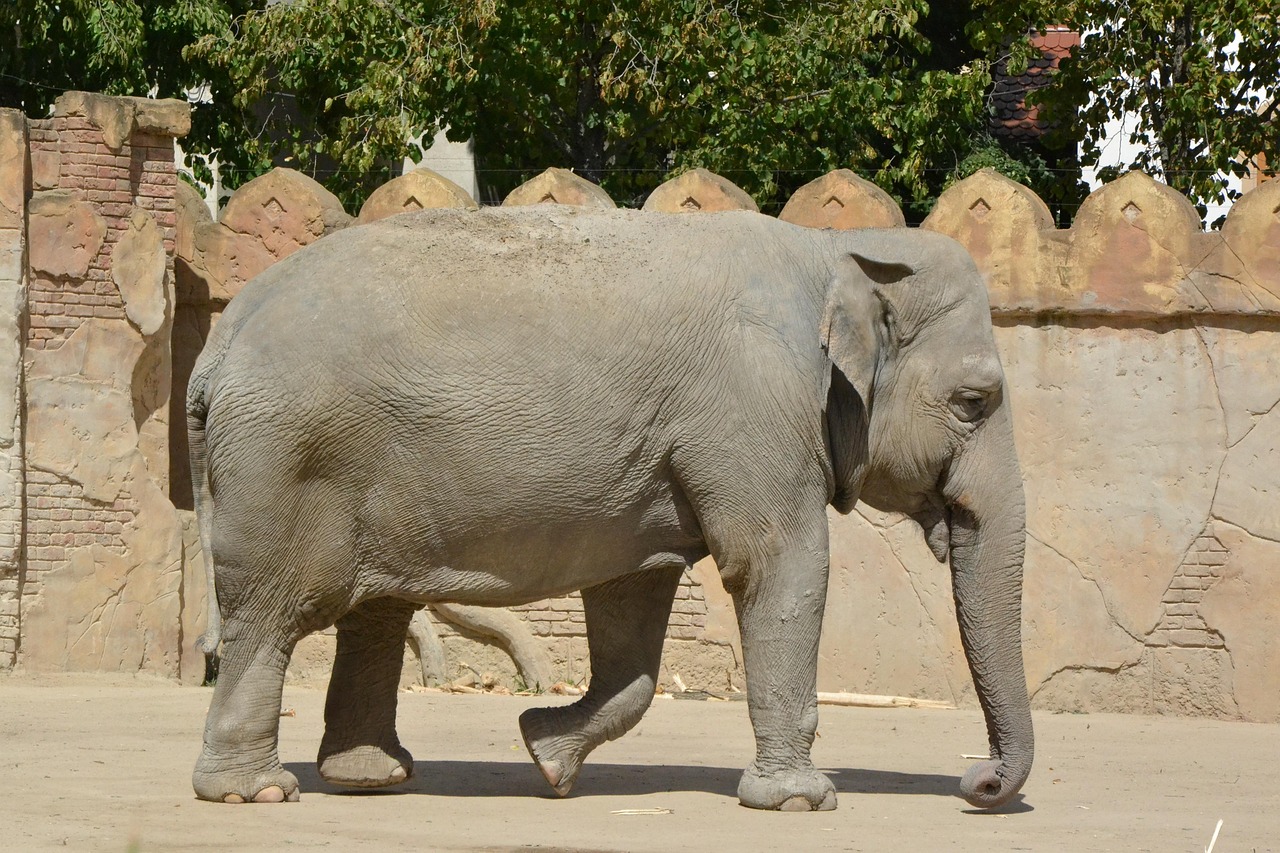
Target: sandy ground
104,763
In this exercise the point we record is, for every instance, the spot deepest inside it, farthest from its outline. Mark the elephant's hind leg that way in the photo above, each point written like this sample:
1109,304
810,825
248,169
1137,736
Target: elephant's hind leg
626,624
239,762
360,747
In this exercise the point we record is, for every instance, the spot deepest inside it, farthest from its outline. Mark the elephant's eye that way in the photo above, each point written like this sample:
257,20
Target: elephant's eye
969,405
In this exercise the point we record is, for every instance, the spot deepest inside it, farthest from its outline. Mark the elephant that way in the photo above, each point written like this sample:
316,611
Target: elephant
494,407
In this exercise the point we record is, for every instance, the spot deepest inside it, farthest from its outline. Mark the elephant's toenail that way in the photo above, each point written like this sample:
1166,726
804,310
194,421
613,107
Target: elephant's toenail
552,771
398,775
233,798
270,794
798,803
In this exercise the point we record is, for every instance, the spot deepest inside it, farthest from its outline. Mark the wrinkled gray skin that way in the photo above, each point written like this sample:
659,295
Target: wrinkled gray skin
492,408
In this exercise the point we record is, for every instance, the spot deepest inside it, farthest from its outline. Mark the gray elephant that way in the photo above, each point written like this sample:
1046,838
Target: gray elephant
492,408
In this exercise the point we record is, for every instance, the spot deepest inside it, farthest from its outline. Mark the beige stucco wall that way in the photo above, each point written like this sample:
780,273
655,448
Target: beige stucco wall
1141,356
1142,364
1153,500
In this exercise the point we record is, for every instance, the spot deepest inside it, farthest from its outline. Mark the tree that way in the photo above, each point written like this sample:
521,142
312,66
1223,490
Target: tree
121,47
1202,78
771,93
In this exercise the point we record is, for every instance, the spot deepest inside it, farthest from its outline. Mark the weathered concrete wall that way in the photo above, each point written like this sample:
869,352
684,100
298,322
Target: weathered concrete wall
13,215
1143,361
1142,357
101,569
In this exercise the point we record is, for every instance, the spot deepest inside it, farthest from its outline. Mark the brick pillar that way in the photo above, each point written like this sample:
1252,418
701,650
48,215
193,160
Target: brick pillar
13,191
102,584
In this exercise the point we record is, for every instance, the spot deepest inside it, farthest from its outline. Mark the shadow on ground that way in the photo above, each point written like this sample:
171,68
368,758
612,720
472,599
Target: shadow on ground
509,779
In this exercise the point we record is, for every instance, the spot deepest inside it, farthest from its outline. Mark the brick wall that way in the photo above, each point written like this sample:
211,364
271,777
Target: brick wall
1182,623
13,187
1137,348
114,182
563,617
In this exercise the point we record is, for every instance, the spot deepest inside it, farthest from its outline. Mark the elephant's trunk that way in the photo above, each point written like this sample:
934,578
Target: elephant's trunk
988,535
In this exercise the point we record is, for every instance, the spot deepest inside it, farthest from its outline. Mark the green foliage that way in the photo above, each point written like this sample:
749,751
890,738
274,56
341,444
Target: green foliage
1060,188
1202,77
120,47
771,93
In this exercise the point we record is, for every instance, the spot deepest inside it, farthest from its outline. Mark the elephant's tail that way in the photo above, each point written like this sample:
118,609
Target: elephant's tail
197,411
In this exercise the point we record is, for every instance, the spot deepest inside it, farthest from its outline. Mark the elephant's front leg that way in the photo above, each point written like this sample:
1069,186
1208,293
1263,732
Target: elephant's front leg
779,598
626,624
360,746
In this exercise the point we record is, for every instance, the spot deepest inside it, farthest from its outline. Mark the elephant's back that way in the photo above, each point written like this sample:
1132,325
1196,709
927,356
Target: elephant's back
427,320
441,284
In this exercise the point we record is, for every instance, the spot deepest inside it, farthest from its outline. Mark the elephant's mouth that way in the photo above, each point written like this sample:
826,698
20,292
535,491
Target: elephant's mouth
934,519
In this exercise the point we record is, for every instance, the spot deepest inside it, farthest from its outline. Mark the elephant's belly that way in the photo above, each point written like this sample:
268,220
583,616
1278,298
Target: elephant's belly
527,554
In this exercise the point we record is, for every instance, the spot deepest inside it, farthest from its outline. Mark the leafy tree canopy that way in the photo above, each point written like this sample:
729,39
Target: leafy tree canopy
1202,78
121,47
771,93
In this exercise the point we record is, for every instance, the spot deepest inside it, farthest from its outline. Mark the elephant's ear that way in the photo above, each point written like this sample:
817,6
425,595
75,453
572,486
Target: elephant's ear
857,320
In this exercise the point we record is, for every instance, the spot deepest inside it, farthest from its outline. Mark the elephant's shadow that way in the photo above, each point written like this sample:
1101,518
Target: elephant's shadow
518,779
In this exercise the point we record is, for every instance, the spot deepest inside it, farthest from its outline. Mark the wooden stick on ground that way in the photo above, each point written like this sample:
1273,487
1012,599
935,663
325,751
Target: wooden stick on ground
868,700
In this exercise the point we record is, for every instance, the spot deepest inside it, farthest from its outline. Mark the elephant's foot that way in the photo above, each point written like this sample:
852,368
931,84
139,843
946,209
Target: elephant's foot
555,740
366,766
796,790
272,785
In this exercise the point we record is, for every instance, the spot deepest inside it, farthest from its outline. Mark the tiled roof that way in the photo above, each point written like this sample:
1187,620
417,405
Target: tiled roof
1013,119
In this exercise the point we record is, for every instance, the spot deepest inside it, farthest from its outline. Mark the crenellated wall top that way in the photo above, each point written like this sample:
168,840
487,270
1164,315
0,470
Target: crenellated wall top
1136,248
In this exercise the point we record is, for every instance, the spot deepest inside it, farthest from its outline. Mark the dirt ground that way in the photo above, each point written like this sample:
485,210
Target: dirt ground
104,763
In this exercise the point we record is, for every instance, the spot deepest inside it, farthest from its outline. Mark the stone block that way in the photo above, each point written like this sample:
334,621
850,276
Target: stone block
138,268
1002,224
64,234
1252,233
13,167
699,191
559,186
1090,690
110,611
192,215
118,118
46,168
1133,244
1066,623
1248,494
226,262
1196,682
13,308
417,190
11,255
842,200
80,409
283,211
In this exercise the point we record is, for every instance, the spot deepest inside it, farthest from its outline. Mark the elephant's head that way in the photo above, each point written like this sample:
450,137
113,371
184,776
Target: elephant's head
919,423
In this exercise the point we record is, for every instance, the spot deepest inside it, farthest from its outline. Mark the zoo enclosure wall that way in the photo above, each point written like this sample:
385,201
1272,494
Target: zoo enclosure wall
1141,353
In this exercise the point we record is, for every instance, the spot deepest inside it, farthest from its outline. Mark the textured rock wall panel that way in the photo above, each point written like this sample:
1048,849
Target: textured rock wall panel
1143,361
13,182
1152,579
102,564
